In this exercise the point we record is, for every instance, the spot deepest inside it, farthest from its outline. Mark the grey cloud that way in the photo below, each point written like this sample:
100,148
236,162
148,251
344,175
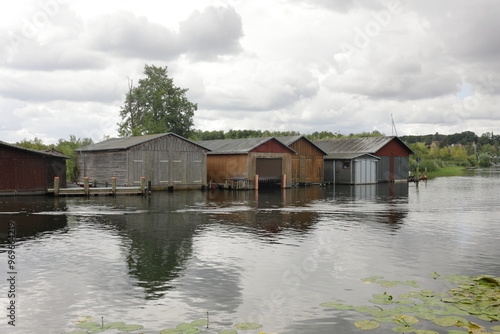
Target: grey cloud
204,35
127,35
215,31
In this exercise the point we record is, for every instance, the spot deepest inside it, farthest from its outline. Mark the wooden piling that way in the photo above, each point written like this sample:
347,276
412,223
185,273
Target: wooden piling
256,182
143,184
113,185
86,185
283,181
56,186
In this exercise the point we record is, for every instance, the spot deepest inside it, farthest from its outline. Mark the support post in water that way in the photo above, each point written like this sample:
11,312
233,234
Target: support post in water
256,186
56,186
113,185
143,184
86,185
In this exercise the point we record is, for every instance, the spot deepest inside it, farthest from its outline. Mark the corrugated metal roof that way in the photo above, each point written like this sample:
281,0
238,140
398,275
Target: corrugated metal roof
356,145
289,140
235,146
114,144
349,156
58,155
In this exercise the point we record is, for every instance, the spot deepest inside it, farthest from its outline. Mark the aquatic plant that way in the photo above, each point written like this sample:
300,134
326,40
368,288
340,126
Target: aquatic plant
477,296
88,326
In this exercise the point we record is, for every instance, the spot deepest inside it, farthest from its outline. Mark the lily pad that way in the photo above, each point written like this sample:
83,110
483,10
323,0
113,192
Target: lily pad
403,329
448,321
113,325
130,328
247,325
366,324
425,331
88,325
330,304
199,323
229,331
496,328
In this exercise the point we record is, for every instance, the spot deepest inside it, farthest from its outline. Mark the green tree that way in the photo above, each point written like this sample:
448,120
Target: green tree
156,105
484,160
68,147
33,144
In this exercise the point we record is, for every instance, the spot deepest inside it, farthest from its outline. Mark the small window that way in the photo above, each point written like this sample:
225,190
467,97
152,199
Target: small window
346,165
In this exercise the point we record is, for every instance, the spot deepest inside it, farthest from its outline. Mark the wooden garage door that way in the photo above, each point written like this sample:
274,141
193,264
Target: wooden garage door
269,167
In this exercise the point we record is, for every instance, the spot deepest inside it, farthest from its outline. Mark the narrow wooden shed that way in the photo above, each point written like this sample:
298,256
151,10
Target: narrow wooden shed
167,161
29,172
242,159
308,163
393,165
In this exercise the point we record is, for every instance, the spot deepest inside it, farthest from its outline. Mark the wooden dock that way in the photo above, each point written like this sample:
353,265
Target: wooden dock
87,190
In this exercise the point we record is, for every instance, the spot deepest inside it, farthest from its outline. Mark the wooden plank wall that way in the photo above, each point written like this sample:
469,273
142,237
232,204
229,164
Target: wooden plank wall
308,164
222,167
102,166
168,162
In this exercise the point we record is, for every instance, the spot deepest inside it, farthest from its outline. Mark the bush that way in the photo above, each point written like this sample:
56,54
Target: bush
430,165
484,160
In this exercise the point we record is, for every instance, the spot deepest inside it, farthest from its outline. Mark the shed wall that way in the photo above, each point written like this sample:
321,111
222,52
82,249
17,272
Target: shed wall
226,166
29,172
166,161
101,166
308,164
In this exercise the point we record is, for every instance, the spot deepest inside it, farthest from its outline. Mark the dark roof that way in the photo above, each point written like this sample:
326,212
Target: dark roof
349,156
357,145
118,144
43,152
289,140
237,146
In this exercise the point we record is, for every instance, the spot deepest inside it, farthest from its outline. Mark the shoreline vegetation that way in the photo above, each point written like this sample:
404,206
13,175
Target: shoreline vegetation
435,155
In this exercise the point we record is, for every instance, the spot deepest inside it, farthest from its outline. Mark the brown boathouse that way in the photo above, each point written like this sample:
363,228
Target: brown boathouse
29,172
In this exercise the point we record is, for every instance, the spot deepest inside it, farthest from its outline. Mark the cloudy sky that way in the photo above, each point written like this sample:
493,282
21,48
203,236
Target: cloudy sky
306,65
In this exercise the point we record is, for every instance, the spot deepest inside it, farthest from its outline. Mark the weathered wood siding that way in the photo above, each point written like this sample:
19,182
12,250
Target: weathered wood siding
286,164
29,172
101,166
167,161
222,167
308,164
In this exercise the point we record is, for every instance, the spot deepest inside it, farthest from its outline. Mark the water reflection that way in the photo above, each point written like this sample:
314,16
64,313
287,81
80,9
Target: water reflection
23,211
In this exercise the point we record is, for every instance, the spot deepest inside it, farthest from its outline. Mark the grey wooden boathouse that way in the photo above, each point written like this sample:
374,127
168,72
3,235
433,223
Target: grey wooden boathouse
167,161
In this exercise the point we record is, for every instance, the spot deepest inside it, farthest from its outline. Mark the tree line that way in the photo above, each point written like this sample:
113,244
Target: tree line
155,105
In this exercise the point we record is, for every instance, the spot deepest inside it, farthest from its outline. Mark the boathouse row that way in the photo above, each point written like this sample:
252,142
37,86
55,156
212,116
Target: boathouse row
365,160
240,160
167,161
29,172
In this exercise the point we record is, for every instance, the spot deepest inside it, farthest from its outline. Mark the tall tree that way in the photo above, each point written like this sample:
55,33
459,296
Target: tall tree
156,105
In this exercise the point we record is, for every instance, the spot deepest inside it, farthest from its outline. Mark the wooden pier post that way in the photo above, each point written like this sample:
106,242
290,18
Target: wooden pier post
256,181
143,184
86,185
56,186
113,185
283,181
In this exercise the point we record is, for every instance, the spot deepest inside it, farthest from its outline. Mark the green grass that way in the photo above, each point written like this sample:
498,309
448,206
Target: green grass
447,171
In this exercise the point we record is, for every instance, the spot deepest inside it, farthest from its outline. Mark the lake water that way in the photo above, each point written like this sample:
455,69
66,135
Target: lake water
270,257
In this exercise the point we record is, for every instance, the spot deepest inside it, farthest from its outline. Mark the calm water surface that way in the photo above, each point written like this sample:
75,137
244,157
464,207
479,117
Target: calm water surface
270,257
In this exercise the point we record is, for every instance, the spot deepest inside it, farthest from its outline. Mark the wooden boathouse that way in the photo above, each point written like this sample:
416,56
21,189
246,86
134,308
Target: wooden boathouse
392,152
238,161
29,172
307,163
166,161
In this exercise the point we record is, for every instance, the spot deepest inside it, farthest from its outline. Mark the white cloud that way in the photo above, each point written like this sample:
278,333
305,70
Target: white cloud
340,66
